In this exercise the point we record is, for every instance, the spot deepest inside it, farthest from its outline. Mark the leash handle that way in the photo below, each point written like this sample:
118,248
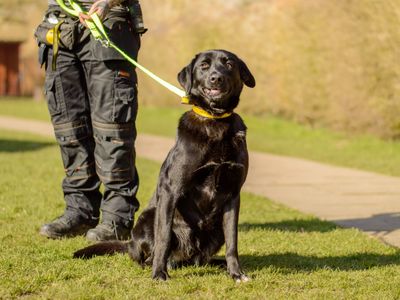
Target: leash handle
99,33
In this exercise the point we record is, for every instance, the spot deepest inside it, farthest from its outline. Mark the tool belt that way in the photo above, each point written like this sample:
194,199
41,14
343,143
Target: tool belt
59,29
99,34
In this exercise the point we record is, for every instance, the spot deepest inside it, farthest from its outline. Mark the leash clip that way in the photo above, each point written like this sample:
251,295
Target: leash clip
104,43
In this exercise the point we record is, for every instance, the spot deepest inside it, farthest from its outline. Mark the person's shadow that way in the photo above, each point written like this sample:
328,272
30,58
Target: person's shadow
10,145
386,222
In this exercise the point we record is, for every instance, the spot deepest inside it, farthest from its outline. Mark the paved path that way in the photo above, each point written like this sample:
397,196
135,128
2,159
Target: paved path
351,198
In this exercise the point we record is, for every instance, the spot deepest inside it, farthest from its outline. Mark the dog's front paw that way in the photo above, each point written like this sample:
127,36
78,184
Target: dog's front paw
160,275
239,278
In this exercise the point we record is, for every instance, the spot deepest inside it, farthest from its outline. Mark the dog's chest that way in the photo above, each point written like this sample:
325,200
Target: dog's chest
216,183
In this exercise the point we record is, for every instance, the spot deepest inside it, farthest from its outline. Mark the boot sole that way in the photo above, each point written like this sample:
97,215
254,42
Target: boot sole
58,236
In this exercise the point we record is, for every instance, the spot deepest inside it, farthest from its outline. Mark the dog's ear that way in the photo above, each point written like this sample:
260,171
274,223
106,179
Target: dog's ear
185,77
245,74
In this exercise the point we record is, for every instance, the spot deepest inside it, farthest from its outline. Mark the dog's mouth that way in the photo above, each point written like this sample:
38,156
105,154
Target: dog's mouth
216,97
214,93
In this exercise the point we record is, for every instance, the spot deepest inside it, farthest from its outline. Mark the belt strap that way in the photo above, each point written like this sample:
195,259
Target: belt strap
56,43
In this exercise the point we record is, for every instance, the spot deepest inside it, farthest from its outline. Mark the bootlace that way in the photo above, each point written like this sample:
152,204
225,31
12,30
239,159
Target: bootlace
109,227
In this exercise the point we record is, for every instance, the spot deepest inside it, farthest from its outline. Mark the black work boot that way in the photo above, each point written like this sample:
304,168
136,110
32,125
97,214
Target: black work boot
109,230
68,225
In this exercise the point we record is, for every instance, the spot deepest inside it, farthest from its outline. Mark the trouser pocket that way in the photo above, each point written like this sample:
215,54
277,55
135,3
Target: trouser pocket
115,156
54,94
77,148
125,100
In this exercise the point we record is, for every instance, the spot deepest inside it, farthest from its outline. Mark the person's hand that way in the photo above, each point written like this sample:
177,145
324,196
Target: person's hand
100,7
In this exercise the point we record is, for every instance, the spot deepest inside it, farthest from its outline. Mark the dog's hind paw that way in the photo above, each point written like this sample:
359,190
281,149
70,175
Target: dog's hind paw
241,278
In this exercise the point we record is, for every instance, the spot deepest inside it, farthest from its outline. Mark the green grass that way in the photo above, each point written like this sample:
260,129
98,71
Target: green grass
287,254
268,134
24,108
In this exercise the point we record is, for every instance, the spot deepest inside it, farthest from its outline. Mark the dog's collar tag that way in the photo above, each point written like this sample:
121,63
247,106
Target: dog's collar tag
201,112
185,100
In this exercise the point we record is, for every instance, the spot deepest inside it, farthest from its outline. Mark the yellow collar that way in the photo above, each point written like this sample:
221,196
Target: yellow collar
203,113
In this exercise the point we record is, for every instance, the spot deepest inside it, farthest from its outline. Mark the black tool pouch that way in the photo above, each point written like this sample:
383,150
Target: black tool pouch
68,33
58,25
135,10
41,39
42,33
42,54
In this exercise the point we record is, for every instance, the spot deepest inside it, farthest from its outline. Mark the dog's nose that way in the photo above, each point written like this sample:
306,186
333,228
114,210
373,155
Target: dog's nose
216,78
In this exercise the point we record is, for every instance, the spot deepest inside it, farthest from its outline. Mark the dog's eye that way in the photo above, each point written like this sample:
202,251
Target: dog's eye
204,65
229,64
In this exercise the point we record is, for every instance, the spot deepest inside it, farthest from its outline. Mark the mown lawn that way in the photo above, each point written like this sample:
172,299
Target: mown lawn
267,134
287,254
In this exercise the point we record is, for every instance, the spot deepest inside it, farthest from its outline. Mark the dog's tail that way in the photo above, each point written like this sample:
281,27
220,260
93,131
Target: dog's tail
103,248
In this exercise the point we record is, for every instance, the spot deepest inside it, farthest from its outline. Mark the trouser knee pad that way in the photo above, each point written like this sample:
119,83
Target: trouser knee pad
115,165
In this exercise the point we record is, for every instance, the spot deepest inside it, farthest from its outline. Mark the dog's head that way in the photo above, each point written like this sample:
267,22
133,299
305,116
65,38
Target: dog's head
214,80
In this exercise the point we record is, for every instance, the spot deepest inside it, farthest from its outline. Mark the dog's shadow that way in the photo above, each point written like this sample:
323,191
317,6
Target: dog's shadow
296,225
293,262
289,262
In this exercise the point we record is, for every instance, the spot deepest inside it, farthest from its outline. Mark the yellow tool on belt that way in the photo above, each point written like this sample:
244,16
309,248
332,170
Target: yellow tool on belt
97,30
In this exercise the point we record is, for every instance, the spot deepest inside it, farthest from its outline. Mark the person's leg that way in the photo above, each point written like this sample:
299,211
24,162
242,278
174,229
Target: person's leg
69,108
113,98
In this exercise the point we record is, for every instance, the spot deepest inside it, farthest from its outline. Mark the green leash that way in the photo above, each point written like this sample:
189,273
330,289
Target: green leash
97,30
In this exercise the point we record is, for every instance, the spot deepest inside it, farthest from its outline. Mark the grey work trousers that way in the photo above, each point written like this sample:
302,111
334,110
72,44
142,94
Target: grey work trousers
92,100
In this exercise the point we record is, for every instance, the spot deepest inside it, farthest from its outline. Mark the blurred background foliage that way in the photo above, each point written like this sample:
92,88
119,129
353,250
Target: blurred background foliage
326,63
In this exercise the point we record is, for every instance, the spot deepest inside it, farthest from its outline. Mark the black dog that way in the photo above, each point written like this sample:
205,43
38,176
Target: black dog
195,207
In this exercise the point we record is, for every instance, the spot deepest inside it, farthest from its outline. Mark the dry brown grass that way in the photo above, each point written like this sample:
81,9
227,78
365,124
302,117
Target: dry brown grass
324,63
329,63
